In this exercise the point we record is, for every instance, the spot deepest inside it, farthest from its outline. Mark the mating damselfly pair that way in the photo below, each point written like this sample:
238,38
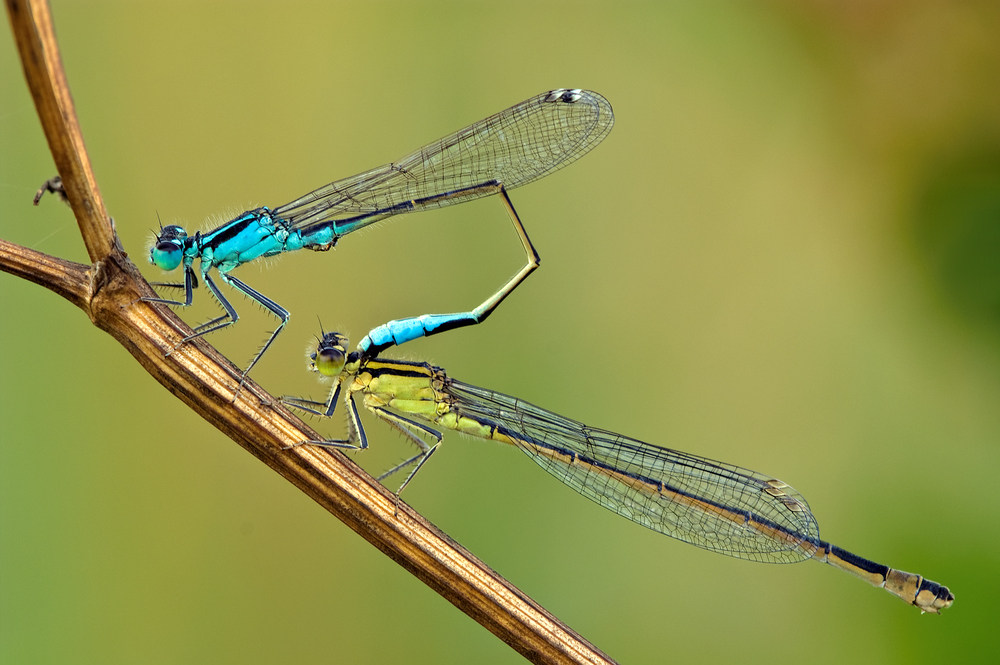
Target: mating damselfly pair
714,505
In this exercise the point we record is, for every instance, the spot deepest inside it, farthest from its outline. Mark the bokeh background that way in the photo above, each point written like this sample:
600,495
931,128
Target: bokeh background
786,255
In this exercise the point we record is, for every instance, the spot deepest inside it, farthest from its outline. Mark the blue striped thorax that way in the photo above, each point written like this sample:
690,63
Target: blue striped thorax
253,235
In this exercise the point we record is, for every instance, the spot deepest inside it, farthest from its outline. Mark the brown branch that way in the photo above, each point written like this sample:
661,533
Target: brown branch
110,292
36,42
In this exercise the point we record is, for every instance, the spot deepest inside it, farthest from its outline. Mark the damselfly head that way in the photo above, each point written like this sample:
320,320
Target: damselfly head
168,251
330,354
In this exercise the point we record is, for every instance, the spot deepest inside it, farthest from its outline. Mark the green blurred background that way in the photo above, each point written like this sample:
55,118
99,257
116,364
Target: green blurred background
784,256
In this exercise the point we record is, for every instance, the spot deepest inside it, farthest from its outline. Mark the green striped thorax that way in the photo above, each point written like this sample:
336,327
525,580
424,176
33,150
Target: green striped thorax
168,251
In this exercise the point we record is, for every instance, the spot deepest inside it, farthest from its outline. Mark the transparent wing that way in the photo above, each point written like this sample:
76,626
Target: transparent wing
512,148
717,506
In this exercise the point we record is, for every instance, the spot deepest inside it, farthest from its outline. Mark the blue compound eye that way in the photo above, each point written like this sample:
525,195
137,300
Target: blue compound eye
168,251
166,255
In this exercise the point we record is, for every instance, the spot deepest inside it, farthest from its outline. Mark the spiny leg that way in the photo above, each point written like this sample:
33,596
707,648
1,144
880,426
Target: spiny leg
404,425
208,324
189,285
265,302
356,439
303,404
227,319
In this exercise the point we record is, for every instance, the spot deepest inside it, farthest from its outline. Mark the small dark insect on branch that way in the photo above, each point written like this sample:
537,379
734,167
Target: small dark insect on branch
54,186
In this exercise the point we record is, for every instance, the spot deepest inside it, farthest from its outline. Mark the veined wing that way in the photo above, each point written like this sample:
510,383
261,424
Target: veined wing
714,505
512,148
